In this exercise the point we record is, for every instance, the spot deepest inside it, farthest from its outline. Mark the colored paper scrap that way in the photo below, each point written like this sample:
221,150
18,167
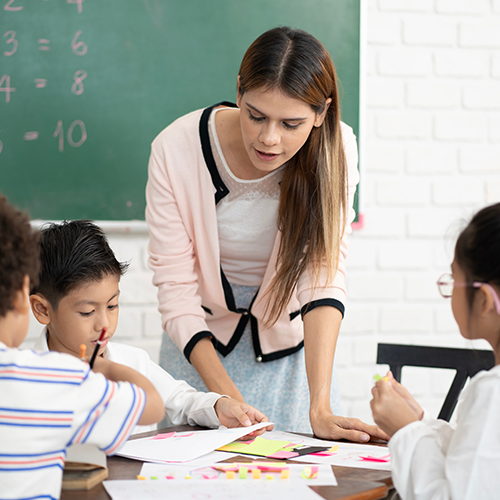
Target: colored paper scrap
242,473
328,453
285,473
256,473
260,447
371,458
310,472
283,455
378,377
230,474
165,435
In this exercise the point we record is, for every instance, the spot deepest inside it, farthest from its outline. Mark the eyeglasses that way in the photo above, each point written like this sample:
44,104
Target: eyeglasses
446,283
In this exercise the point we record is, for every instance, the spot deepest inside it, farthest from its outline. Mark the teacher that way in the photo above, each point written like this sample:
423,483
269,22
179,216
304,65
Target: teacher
249,207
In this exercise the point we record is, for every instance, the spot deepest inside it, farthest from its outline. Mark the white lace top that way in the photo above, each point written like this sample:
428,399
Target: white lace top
247,219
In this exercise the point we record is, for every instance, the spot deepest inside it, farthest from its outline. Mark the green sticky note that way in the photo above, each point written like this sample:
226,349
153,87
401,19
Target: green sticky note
243,472
259,446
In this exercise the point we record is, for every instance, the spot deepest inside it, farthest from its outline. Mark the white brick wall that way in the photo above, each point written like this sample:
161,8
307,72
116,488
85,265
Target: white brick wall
430,158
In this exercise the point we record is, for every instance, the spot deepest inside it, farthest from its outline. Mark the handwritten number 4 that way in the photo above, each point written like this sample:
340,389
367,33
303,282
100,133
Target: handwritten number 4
79,3
7,89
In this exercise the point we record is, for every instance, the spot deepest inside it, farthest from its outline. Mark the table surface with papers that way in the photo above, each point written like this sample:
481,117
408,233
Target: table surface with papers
353,483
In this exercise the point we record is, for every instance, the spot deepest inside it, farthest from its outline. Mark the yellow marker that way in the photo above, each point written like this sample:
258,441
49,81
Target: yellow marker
142,478
285,473
230,474
269,477
256,473
378,377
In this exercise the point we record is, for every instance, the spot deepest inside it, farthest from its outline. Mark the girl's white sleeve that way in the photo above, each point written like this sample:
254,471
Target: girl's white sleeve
431,460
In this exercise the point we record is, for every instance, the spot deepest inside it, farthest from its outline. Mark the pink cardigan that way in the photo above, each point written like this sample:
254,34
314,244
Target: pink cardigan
195,299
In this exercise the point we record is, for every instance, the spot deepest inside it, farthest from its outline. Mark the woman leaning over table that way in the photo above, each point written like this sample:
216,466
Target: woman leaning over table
249,208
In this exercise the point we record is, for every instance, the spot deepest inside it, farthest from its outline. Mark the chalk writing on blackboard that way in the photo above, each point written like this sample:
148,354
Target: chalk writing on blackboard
69,136
8,6
78,77
79,3
79,48
13,41
7,89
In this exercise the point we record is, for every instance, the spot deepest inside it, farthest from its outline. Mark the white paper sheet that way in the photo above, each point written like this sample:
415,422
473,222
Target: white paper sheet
159,490
349,454
175,472
183,446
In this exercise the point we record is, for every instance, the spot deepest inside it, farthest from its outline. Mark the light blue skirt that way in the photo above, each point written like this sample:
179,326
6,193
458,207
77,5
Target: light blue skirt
277,388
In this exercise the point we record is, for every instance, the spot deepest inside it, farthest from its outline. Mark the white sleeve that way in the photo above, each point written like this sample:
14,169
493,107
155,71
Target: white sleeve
431,461
183,403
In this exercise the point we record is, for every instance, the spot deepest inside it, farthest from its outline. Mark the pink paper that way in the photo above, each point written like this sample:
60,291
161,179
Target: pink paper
164,436
283,454
369,458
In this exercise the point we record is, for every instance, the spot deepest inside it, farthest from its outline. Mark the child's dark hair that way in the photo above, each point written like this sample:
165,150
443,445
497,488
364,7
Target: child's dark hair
73,253
18,253
477,251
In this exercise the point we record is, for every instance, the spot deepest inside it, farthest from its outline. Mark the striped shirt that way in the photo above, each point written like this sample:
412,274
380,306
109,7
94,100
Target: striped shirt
49,401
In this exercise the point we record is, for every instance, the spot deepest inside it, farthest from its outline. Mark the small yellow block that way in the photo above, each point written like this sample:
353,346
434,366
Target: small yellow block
141,478
285,473
188,477
256,473
269,477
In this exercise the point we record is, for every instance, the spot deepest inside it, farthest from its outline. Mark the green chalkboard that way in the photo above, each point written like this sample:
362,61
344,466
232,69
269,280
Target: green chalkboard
86,85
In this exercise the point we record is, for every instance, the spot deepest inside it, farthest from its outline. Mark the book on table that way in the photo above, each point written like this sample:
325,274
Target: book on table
85,467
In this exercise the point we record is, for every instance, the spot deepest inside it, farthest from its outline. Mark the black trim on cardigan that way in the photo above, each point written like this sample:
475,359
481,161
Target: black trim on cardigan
194,340
221,189
323,302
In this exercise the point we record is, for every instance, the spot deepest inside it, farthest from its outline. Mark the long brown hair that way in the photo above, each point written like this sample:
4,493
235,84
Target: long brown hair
313,198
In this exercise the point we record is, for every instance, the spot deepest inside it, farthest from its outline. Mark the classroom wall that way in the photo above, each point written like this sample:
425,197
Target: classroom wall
430,158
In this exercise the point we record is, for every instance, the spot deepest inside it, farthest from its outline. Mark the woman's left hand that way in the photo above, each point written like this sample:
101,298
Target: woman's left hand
326,425
234,413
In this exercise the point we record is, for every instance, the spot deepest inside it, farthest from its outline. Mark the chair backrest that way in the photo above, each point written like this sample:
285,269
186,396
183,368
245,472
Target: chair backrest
466,362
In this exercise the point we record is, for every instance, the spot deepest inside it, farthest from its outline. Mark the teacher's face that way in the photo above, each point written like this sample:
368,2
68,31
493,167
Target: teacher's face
274,127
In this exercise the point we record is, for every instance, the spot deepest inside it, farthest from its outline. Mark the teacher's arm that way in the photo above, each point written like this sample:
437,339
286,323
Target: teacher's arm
212,372
321,329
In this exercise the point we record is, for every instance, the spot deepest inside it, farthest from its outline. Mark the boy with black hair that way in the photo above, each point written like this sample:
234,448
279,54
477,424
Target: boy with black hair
78,296
51,401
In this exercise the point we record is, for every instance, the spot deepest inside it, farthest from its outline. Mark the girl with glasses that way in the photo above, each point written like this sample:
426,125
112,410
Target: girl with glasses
432,459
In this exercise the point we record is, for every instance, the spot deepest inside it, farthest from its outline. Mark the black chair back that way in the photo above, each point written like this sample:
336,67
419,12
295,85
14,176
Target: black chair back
466,362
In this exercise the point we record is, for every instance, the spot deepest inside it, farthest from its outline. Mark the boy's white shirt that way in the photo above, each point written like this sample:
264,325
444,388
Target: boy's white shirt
432,459
183,403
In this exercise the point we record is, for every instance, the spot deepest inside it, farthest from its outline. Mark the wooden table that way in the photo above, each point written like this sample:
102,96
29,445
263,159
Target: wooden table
353,483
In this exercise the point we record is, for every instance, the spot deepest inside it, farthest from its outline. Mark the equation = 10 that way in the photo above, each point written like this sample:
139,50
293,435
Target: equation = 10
59,133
